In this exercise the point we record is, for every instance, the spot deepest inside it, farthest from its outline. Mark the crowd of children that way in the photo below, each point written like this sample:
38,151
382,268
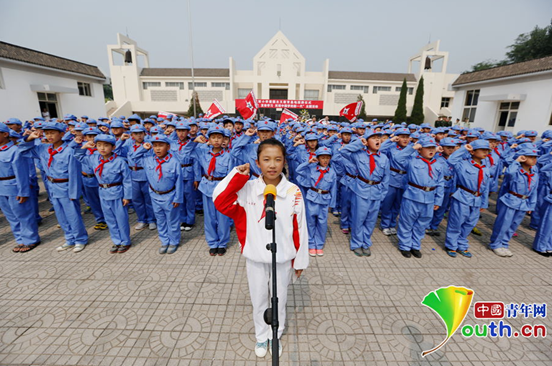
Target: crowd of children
167,170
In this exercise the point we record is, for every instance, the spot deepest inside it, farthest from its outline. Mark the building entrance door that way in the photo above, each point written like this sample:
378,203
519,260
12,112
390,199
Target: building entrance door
278,93
48,103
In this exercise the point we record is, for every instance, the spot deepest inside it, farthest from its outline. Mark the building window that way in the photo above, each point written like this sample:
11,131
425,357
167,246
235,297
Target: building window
360,87
226,86
197,85
507,114
242,93
311,94
445,102
150,84
377,89
175,84
470,104
84,89
410,91
335,87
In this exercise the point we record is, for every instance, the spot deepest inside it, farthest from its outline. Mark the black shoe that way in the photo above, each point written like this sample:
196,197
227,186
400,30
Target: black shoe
221,251
416,253
123,248
544,254
213,252
436,233
199,212
406,253
366,252
114,249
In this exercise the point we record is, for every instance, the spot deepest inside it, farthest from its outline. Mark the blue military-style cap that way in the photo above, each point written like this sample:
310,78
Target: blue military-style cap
370,132
137,128
531,133
14,135
447,141
106,138
413,127
135,117
323,151
332,128
472,132
117,124
39,119
160,138
80,126
346,130
38,124
487,135
91,121
311,137
14,121
103,119
480,144
4,128
428,142
156,129
528,150
402,131
415,135
215,130
57,126
374,120
425,125
183,126
85,116
266,126
91,131
69,117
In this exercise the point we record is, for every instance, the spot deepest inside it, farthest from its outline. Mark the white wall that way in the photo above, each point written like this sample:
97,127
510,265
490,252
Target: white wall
534,112
19,101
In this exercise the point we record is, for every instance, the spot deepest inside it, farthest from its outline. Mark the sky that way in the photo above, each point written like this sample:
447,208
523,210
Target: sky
362,35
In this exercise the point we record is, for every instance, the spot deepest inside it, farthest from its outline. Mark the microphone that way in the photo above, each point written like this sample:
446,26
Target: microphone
270,213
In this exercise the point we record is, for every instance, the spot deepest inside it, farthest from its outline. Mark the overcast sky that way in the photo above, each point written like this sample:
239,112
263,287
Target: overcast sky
362,35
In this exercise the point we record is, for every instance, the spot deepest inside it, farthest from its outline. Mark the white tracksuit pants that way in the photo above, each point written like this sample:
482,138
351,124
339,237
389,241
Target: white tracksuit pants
259,276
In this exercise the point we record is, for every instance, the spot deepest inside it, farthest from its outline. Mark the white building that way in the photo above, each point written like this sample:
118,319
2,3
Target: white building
279,79
32,82
512,97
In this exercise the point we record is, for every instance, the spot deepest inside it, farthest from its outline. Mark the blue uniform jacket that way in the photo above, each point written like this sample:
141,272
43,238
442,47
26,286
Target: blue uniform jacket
517,182
467,176
13,164
308,175
171,179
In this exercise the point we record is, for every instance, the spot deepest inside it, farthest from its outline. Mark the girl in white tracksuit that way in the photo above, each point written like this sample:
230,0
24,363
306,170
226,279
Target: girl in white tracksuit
242,200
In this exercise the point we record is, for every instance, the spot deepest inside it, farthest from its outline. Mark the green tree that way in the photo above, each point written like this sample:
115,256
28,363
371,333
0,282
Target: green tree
400,112
417,116
108,91
198,110
531,45
362,113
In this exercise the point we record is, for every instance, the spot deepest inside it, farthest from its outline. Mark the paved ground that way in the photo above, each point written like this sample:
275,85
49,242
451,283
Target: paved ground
141,308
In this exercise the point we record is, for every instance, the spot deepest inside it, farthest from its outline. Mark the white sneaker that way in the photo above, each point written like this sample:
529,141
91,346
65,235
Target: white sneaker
500,252
78,248
508,252
387,232
152,226
140,226
63,247
393,231
261,348
280,349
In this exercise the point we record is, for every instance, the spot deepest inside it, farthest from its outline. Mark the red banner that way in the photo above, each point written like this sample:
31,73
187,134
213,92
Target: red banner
284,103
287,114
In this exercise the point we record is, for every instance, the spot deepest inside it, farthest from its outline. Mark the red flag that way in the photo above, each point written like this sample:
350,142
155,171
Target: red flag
214,110
162,114
287,114
351,111
248,108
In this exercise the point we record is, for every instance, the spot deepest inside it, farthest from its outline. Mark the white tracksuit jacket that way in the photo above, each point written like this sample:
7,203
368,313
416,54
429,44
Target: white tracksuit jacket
242,200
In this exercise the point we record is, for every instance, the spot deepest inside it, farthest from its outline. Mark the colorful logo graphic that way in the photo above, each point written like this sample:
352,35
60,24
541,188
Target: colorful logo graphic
451,304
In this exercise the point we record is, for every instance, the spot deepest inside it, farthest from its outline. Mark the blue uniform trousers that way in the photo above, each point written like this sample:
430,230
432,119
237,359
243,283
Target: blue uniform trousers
142,202
440,213
346,197
92,198
364,214
168,221
70,219
543,239
390,207
413,220
317,221
116,217
217,225
187,208
35,189
505,225
21,218
461,221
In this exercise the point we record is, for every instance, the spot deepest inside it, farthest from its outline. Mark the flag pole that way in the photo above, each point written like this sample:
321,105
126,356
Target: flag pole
192,58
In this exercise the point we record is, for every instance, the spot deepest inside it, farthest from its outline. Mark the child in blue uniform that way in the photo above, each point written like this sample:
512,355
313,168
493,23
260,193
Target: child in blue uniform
141,200
470,197
543,239
321,182
422,196
164,175
63,172
115,187
367,188
518,196
15,191
187,215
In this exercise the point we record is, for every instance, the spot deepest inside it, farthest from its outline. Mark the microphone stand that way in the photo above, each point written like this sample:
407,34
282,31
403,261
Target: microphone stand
271,314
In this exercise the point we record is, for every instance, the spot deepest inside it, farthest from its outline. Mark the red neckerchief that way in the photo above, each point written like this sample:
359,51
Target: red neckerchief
496,151
53,152
491,160
7,146
136,147
372,161
91,150
322,172
102,163
182,144
529,176
213,162
159,165
399,147
311,154
480,175
429,163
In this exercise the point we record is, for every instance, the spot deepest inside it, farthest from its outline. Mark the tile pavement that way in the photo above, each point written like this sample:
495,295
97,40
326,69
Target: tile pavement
141,308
